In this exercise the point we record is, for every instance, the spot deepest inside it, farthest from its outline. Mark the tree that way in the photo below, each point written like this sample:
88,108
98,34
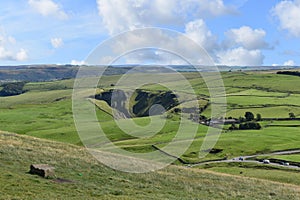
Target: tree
11,89
249,116
250,126
258,117
292,115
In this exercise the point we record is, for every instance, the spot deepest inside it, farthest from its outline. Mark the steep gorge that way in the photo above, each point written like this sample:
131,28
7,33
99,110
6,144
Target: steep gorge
140,102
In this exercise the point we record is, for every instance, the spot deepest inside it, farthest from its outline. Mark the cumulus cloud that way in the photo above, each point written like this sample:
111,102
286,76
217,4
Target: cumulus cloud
124,15
241,57
48,8
56,42
288,14
8,50
77,62
155,40
246,37
242,46
198,31
289,63
21,55
6,54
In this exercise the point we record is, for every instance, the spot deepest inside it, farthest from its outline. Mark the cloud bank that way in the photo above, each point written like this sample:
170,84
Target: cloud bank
241,46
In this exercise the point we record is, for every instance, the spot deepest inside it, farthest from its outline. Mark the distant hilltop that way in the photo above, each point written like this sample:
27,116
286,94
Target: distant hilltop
49,72
40,73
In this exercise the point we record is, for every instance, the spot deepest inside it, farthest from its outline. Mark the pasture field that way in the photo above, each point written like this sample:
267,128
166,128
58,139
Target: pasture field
80,176
292,157
248,142
257,171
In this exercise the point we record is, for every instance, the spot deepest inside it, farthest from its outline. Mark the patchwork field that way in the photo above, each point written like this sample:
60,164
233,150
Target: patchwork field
45,111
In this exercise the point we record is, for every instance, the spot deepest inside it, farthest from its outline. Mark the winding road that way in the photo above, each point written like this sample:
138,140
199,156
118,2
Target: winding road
246,159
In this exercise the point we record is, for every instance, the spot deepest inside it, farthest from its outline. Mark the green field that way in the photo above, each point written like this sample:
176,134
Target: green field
88,179
45,111
258,171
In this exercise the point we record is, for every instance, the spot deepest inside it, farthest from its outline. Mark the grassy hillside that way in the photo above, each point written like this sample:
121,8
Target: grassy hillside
45,111
89,179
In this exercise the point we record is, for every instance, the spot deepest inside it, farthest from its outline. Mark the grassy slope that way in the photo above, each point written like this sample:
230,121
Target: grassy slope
92,180
45,112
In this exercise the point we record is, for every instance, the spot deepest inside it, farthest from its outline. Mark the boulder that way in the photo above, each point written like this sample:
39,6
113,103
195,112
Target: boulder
42,170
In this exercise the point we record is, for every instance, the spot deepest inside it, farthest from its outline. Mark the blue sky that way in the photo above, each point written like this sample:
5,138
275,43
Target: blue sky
234,32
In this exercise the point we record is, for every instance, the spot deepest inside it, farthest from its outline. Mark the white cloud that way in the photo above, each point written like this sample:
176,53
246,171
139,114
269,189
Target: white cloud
241,57
56,42
289,63
22,55
8,49
156,40
48,8
247,37
152,56
6,54
124,15
198,31
76,62
241,47
288,14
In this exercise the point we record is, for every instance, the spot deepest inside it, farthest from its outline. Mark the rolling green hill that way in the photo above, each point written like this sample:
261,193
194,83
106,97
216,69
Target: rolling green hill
45,111
82,177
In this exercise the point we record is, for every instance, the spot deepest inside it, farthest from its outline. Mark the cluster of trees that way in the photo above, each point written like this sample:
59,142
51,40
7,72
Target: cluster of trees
250,126
292,73
11,89
248,122
249,116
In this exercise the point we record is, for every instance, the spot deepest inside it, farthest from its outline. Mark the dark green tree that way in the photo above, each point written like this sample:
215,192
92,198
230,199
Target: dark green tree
250,126
292,115
249,116
258,117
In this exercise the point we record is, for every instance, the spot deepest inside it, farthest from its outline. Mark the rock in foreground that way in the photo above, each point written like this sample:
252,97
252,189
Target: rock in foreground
42,170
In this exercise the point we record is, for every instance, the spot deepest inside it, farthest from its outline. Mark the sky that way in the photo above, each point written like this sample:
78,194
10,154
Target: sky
233,32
